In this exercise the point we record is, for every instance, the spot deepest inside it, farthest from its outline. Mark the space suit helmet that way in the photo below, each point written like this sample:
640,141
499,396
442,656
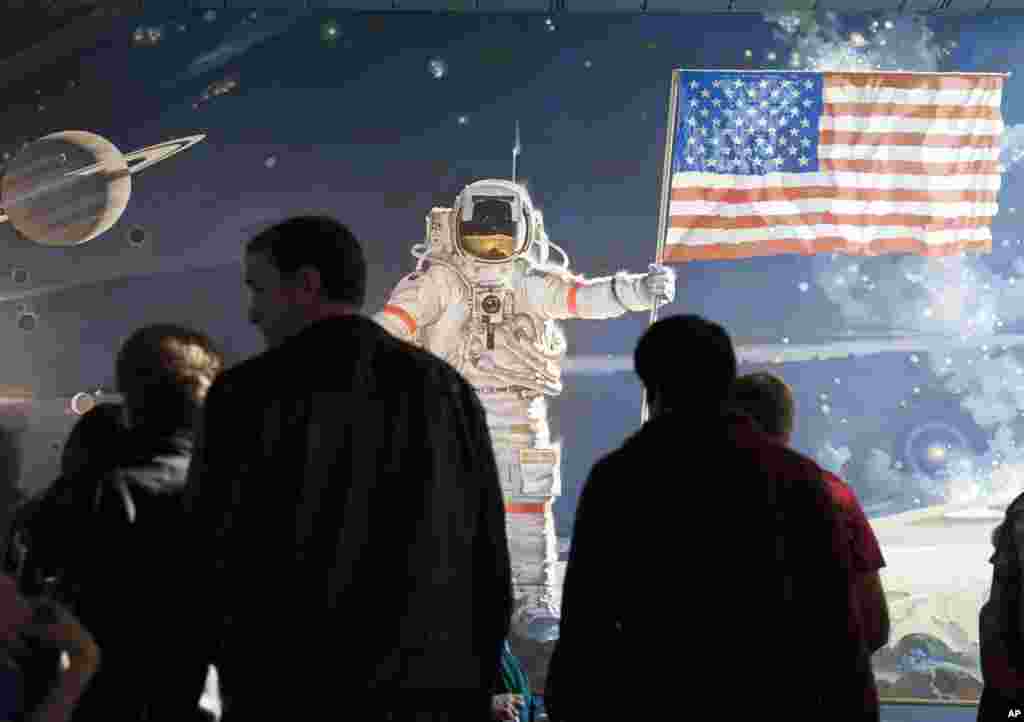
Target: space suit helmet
494,220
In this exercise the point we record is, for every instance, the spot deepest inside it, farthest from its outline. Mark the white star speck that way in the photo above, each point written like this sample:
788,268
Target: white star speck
705,93
805,123
805,142
803,160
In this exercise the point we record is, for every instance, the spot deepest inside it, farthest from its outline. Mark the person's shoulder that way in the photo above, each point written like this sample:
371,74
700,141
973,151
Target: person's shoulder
248,371
841,492
404,360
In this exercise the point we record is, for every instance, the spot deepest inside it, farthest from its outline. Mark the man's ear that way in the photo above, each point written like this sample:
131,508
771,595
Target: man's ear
308,282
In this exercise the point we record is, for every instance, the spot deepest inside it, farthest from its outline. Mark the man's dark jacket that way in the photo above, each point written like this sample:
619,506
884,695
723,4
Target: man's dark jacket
350,529
720,580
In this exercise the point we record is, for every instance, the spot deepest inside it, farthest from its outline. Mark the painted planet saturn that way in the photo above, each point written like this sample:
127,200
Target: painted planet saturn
67,188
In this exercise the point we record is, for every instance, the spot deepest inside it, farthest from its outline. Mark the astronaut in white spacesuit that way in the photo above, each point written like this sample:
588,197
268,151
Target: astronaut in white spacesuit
485,298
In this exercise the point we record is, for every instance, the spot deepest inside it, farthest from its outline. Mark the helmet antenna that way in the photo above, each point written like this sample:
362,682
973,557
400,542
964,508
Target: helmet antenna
516,150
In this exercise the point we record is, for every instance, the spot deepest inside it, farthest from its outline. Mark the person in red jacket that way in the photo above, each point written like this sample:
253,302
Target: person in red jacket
705,542
769,401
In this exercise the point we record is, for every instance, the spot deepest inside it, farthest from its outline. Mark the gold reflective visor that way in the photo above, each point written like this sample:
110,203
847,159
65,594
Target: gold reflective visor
496,247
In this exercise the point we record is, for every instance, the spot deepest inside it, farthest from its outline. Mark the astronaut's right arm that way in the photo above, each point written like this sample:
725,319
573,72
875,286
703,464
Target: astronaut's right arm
418,300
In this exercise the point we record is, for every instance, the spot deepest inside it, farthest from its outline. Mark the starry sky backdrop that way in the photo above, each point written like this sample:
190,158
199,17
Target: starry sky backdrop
377,118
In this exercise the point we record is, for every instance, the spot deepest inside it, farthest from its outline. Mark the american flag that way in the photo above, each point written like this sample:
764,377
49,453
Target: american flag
767,163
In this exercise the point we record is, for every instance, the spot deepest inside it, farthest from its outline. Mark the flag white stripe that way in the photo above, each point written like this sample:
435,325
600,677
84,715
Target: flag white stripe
876,181
854,234
916,96
839,207
895,124
925,154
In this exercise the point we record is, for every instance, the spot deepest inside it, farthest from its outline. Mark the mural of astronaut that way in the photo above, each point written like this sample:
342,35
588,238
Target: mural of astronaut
485,297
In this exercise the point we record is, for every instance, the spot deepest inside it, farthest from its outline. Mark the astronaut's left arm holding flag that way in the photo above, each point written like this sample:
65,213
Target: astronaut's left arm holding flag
562,296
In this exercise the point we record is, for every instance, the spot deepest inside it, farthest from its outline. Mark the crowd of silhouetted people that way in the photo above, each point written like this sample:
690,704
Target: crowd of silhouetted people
323,524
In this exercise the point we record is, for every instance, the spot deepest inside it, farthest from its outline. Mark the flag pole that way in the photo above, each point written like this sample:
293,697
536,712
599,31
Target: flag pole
666,197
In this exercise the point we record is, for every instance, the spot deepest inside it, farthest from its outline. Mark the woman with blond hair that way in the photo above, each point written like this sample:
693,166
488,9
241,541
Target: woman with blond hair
127,532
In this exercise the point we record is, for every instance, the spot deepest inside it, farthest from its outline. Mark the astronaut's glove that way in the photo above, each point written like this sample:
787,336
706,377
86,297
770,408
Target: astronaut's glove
659,284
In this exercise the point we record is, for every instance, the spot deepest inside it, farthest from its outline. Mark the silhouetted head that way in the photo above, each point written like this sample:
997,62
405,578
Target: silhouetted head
164,372
685,363
300,271
768,400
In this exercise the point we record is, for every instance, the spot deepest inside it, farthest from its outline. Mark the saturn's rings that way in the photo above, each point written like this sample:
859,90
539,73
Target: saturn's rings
140,159
137,160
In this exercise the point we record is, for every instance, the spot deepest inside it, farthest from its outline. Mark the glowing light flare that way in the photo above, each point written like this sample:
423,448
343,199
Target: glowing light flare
81,403
936,454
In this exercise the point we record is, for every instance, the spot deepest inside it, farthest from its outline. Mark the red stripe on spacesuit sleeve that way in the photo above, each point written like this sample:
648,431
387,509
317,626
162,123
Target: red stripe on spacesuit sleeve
572,298
514,507
403,315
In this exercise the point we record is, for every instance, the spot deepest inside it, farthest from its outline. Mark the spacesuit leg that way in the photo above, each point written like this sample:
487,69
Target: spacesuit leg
531,481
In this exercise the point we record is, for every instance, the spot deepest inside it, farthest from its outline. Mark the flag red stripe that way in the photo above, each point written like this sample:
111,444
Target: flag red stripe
909,167
754,195
938,140
725,223
913,81
905,110
680,253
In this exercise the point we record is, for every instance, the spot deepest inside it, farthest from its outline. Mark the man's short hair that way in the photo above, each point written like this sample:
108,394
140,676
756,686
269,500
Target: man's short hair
767,399
686,359
322,243
164,372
